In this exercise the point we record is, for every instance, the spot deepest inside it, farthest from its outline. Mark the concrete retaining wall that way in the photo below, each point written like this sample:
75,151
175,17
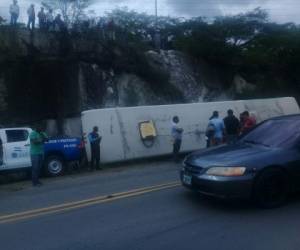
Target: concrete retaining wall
119,127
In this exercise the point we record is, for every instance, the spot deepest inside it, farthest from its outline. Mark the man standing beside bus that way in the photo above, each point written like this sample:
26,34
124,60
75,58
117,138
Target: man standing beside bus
176,132
95,140
248,122
232,127
219,128
37,140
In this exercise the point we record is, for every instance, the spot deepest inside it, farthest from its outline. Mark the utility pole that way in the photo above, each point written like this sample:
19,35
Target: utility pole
156,13
157,40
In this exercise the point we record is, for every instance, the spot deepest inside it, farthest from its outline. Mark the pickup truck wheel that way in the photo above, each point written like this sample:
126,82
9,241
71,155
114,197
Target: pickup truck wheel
54,166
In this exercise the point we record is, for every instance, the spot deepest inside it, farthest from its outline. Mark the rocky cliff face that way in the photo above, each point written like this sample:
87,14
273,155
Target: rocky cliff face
56,76
192,83
197,81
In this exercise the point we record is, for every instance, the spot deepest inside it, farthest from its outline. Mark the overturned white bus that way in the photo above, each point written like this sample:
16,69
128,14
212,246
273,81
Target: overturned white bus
141,132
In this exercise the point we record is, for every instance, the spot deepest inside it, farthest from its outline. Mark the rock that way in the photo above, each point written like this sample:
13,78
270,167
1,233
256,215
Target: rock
92,85
241,86
133,91
196,82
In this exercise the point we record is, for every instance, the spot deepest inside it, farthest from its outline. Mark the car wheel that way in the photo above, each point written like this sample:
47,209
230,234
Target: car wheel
271,188
54,166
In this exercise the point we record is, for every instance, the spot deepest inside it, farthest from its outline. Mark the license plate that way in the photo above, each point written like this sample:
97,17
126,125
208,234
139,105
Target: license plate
187,179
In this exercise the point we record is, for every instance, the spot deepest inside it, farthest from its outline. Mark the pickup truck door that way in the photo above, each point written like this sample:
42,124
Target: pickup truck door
16,148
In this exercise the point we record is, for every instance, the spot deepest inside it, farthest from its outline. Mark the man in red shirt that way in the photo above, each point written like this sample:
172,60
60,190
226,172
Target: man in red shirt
248,122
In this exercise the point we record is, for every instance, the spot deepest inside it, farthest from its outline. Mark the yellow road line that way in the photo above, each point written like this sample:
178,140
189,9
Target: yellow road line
84,203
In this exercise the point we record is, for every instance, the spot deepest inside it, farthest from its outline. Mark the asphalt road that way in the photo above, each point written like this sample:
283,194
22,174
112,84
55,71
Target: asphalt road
137,207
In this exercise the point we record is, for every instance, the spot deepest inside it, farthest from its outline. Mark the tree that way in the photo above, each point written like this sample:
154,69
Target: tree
72,10
140,24
222,41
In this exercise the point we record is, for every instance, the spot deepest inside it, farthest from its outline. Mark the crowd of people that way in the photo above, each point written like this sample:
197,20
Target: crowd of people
46,20
49,21
228,129
108,27
218,130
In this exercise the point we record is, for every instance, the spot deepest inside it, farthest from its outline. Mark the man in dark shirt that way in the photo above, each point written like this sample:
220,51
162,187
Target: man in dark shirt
42,18
95,140
232,126
1,152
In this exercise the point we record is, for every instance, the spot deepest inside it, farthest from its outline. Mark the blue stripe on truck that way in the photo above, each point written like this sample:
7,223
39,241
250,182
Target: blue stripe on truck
69,148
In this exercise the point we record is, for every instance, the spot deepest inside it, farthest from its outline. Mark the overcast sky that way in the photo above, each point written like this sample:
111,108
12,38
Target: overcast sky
280,10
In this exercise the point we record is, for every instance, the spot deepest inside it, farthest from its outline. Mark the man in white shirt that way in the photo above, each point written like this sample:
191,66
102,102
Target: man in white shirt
14,11
176,132
219,128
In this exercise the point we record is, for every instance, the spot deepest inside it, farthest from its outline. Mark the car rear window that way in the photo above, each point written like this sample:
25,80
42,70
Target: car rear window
16,135
275,133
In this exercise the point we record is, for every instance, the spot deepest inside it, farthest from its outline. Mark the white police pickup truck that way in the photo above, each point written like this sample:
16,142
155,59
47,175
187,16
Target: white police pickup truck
15,151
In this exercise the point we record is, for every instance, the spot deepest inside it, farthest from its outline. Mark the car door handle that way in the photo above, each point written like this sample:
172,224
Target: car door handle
27,145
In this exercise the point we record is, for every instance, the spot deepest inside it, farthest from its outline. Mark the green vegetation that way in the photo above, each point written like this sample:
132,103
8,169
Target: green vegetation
266,54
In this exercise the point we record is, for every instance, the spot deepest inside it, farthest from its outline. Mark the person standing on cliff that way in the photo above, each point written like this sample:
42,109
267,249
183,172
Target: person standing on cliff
59,23
42,19
14,11
176,132
95,140
50,20
31,17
